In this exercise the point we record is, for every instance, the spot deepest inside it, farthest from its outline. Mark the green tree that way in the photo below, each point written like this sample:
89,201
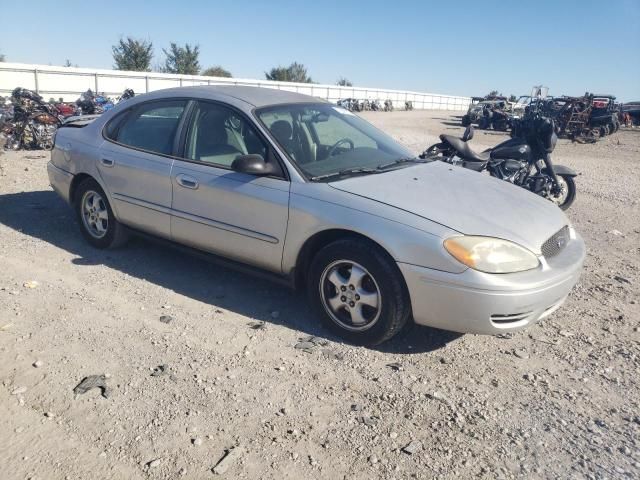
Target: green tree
182,60
343,82
216,71
133,55
68,63
296,72
513,98
2,57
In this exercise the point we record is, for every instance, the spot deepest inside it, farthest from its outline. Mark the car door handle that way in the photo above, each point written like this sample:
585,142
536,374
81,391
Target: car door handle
187,181
107,162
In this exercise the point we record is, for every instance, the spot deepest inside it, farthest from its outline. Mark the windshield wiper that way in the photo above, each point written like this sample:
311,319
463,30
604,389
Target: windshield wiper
346,171
400,161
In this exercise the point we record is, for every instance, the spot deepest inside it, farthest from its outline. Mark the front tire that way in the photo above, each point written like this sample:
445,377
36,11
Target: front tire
568,195
97,222
358,291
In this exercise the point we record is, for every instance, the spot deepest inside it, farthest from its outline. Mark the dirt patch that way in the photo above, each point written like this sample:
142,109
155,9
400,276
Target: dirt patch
559,400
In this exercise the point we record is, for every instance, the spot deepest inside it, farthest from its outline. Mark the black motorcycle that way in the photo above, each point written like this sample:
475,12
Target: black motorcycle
33,123
524,160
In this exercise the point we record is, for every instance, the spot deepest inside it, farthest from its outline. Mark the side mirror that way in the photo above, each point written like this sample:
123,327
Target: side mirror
468,134
252,164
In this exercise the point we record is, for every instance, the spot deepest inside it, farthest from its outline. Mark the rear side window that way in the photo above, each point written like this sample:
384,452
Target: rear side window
151,126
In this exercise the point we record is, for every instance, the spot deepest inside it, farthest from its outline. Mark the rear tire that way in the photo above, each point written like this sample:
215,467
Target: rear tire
358,291
97,222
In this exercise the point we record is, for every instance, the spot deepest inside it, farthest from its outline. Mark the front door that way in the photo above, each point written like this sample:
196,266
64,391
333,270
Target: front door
214,208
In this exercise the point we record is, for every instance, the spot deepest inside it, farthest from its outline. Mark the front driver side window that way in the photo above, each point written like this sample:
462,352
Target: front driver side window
217,135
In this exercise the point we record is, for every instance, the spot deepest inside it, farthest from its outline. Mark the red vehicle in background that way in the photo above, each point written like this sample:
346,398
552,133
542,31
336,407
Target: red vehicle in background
66,110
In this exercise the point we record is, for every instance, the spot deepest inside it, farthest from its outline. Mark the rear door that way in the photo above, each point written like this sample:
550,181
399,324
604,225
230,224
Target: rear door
214,208
136,161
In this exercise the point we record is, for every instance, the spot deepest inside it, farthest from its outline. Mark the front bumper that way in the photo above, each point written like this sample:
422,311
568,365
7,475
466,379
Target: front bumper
476,302
60,180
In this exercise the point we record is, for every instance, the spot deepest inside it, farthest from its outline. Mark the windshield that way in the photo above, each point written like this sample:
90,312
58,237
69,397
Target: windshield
324,140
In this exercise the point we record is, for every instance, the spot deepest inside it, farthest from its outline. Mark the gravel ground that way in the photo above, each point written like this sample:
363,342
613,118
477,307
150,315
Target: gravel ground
201,362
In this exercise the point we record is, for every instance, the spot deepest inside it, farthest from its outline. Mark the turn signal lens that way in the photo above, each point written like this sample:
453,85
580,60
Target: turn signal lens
491,255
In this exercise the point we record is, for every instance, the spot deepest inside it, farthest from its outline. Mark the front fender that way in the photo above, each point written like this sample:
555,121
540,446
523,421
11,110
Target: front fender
561,170
407,238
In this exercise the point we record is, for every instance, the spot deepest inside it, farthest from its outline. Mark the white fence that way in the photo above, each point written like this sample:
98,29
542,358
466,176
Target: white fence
67,84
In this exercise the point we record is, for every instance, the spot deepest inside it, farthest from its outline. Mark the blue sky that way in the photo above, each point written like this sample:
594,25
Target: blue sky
449,47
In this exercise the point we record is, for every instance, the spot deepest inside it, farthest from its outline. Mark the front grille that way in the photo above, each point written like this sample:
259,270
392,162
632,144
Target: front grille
556,243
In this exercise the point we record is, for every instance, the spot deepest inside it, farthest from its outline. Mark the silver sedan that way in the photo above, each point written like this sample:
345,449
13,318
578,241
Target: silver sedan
315,196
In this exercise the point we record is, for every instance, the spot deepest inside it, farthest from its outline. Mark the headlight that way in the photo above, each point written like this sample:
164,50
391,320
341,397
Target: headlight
491,255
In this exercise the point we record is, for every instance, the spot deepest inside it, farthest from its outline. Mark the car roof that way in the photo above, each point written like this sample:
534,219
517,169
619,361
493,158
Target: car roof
256,96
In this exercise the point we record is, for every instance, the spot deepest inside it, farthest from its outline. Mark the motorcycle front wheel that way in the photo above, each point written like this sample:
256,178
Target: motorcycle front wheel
567,193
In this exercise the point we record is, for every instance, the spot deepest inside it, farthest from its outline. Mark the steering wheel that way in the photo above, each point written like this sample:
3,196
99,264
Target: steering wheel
340,142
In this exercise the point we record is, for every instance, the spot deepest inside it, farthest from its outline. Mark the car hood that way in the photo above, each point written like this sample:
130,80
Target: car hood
463,200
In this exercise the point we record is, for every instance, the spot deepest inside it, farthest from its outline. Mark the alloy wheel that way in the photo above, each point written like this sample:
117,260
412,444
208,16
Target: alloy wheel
350,295
95,215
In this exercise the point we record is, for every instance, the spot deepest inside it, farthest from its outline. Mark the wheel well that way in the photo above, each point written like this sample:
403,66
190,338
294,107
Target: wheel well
316,243
77,180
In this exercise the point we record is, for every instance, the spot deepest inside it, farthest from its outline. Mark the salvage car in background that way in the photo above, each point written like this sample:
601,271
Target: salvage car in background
494,112
316,196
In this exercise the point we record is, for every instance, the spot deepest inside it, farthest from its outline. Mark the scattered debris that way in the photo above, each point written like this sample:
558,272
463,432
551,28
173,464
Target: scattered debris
395,366
615,232
154,463
369,421
305,346
315,340
91,382
413,447
505,336
34,157
229,457
256,325
521,353
19,391
621,279
196,441
160,370
30,284
330,354
6,326
166,318
37,363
